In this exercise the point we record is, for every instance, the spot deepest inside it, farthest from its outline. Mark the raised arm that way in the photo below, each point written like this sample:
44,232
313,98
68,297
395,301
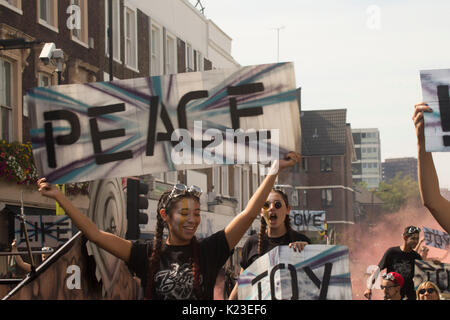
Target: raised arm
19,261
240,224
428,180
121,248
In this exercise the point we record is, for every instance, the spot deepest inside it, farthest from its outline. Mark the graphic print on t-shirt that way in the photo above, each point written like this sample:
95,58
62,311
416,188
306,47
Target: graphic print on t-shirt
403,267
176,282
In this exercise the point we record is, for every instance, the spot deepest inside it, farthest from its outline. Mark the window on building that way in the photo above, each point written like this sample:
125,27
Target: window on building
326,164
189,58
130,38
156,51
305,164
81,34
170,55
255,182
199,59
304,194
224,178
15,5
6,112
115,28
245,186
216,180
45,80
237,186
48,13
327,197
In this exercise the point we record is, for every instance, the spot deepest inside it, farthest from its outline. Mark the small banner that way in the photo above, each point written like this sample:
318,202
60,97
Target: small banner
308,220
436,238
435,92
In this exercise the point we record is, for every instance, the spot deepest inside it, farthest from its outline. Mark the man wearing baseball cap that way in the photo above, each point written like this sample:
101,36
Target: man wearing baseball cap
391,285
401,259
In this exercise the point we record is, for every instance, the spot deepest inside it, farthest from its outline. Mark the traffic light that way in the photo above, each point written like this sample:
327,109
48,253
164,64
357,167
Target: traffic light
136,200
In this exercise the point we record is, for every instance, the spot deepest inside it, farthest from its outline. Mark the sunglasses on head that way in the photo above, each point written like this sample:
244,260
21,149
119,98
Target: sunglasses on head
429,290
179,190
412,230
277,204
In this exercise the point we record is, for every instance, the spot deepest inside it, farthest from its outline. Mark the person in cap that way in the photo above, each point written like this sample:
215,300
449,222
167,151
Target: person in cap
391,285
401,259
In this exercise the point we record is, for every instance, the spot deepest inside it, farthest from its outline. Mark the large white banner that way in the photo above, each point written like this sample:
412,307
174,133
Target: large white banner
133,127
437,273
319,272
436,238
435,92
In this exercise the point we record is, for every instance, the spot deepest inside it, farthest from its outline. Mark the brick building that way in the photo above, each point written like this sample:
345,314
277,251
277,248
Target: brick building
324,180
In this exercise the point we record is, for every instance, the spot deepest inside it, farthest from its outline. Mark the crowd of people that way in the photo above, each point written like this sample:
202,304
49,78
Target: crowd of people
182,267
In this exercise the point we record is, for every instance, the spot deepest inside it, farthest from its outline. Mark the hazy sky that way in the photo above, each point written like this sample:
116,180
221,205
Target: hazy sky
364,56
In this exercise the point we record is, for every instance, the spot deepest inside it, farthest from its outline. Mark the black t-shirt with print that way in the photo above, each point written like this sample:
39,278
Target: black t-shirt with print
250,248
396,260
174,279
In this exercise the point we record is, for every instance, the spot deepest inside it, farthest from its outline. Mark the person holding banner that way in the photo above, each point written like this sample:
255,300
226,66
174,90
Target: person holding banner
275,231
401,259
428,180
180,267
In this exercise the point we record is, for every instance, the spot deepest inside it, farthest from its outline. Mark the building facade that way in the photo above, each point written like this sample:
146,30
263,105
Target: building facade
403,166
367,166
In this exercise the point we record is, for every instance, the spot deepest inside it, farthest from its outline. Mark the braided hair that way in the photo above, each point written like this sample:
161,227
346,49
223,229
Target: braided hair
262,238
155,258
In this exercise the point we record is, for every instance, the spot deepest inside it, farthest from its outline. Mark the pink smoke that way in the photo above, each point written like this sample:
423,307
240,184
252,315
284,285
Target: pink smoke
371,240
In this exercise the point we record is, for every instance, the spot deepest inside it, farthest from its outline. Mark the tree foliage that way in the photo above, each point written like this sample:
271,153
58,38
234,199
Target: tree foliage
397,192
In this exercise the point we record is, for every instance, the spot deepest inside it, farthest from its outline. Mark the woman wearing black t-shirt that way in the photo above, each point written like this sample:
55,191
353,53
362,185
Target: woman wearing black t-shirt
275,231
180,267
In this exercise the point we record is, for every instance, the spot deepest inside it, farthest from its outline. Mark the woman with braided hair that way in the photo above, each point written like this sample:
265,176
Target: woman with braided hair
275,231
179,267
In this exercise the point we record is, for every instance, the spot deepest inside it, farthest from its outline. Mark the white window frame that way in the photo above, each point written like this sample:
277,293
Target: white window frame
83,38
46,75
225,186
199,61
133,39
156,50
3,105
255,178
52,11
245,185
16,7
116,30
216,179
238,186
171,61
189,58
